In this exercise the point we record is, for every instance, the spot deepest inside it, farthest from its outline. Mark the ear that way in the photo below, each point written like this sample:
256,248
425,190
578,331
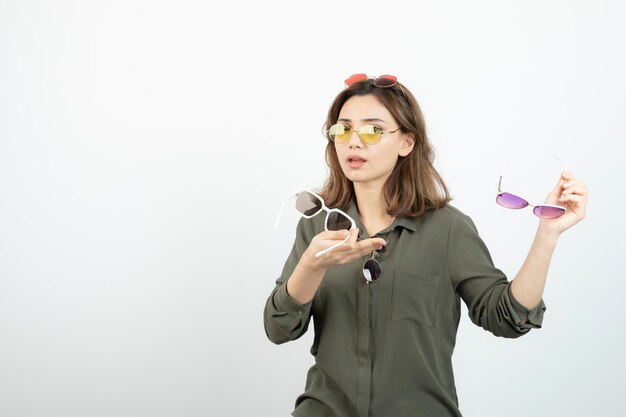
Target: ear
408,142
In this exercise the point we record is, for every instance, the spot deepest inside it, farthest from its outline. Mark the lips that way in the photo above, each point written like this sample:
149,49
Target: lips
355,161
355,158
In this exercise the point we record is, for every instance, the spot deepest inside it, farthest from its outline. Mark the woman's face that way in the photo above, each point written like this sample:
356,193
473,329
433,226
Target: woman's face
380,158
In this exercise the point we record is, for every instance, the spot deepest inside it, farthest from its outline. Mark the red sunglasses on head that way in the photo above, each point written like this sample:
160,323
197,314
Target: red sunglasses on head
381,81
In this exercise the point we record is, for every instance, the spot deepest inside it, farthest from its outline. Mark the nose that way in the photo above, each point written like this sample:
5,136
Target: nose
355,140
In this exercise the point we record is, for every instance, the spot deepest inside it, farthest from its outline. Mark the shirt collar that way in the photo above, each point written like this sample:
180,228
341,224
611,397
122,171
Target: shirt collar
406,222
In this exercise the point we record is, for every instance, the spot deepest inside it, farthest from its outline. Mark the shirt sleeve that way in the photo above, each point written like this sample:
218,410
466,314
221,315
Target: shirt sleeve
283,317
485,288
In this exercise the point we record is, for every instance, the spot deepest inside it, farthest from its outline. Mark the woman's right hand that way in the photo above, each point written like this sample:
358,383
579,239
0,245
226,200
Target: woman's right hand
342,254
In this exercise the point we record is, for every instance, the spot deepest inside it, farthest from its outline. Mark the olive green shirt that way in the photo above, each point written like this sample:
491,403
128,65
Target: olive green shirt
384,349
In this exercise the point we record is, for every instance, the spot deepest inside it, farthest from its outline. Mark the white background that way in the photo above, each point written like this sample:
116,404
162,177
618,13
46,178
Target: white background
146,146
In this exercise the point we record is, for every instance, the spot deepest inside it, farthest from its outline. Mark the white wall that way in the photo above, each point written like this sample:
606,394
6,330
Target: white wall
145,148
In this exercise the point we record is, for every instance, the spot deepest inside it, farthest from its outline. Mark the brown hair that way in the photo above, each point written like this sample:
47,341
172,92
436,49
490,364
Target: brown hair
414,186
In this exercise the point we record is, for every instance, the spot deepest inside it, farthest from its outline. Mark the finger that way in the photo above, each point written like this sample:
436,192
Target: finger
558,189
344,245
367,246
348,242
354,234
336,237
337,234
360,248
364,252
575,183
378,242
565,181
376,239
576,204
575,190
570,181
576,199
322,252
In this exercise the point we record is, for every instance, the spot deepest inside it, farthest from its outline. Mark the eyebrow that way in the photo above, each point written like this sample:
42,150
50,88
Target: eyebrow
371,119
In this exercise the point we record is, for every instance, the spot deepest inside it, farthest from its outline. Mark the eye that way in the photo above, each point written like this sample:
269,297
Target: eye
344,128
371,129
340,128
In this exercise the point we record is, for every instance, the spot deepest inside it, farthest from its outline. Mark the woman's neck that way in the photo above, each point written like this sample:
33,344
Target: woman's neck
372,208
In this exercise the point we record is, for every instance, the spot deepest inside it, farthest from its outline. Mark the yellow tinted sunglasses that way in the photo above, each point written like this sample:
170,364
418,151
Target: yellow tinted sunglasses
370,134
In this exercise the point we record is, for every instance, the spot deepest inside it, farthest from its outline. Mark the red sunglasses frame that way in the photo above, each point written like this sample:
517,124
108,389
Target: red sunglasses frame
383,81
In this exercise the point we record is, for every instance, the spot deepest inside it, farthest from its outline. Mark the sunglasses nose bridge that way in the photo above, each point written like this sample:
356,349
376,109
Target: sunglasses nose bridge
358,135
363,141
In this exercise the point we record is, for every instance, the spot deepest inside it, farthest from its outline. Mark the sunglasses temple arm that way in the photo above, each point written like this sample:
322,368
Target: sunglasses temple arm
320,253
281,209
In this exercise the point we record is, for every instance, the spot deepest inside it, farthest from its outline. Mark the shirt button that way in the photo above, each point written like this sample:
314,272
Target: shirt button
300,312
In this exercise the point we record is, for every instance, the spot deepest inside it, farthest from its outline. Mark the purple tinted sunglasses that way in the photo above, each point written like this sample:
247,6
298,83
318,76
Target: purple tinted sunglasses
546,211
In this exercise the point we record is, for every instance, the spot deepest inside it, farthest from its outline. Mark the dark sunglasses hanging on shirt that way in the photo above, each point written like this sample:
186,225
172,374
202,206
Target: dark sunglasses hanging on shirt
372,270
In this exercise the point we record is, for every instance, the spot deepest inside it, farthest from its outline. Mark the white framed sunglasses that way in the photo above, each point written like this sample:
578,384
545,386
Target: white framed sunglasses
309,204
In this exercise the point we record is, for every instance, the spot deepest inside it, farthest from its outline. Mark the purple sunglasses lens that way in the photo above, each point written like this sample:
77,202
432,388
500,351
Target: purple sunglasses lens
511,201
548,212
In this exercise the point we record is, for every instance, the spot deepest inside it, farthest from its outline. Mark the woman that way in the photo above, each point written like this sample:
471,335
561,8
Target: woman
384,336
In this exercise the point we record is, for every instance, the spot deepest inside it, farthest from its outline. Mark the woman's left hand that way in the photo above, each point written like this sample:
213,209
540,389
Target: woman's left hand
572,194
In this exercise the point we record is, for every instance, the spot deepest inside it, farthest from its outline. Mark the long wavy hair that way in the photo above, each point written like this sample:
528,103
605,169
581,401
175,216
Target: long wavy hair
414,186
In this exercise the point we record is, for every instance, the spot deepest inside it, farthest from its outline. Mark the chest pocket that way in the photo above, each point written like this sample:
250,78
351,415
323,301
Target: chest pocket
414,297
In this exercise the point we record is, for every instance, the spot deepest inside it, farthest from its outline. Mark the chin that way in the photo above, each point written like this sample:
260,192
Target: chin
358,177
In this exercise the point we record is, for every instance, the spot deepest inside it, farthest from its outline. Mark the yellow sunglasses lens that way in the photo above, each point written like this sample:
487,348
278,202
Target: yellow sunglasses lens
339,133
370,134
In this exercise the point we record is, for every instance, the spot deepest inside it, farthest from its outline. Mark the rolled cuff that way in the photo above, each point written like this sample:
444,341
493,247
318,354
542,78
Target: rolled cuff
284,302
519,313
287,315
